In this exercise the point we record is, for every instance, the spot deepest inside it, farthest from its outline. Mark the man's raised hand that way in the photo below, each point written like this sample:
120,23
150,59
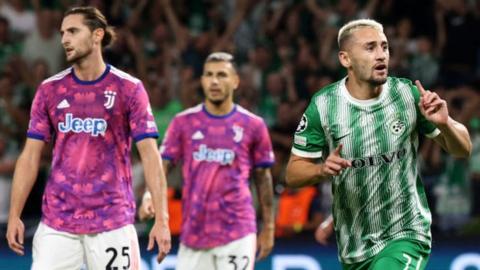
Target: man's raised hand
432,106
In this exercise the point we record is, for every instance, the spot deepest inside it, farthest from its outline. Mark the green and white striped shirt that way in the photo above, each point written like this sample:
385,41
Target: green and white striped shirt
381,197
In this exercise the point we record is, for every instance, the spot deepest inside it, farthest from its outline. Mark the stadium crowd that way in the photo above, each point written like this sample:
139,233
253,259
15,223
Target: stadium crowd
286,50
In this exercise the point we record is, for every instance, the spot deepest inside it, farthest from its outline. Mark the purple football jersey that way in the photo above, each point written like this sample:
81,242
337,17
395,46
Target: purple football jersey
217,155
91,124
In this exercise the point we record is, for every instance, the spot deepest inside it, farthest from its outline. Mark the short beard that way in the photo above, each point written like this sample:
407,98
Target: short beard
217,102
377,82
80,57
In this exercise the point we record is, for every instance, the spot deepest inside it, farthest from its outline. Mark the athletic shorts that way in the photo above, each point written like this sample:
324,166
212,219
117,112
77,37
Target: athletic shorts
57,250
236,255
403,254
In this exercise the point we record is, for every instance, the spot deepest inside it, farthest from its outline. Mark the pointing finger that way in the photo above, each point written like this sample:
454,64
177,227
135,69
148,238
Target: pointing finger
338,150
420,87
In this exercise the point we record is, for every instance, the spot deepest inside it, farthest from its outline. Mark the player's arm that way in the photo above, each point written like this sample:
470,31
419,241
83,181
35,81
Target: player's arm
157,184
308,145
263,183
303,171
454,137
146,209
24,178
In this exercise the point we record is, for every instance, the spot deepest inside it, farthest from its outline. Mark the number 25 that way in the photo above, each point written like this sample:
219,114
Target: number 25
114,255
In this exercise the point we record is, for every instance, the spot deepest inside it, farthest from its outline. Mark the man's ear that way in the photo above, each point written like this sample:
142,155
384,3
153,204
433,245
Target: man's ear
98,35
344,59
236,81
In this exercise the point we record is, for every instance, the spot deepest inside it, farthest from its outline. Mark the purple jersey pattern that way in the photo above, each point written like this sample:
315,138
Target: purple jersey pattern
217,155
91,124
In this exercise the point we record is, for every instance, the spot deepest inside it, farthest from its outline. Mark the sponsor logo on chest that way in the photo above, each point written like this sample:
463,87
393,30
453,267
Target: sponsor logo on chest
93,126
385,158
219,155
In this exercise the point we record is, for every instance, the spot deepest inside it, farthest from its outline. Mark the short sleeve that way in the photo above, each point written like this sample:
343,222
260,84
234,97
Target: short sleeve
263,156
423,125
141,121
309,138
171,145
40,126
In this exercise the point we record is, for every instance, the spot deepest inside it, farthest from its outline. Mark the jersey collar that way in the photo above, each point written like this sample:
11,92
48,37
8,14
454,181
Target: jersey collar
104,74
364,102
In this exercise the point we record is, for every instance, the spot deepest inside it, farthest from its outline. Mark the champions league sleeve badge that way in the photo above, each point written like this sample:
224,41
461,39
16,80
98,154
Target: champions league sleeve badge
302,125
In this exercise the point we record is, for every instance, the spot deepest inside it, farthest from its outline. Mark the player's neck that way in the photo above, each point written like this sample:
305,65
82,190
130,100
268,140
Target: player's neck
362,90
223,108
90,68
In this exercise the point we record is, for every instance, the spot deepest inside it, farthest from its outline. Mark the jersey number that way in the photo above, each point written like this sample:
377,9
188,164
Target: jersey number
409,261
114,255
233,261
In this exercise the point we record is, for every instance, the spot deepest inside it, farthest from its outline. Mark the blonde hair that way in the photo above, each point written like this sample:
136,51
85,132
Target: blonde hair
221,57
346,31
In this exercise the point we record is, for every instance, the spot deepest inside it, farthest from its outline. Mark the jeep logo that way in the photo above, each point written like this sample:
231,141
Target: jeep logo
222,156
93,126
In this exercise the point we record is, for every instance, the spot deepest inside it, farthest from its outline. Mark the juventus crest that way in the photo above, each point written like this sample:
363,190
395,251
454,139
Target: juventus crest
110,95
238,133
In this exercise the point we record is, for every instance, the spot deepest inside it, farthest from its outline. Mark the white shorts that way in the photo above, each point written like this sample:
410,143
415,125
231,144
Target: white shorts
56,250
236,255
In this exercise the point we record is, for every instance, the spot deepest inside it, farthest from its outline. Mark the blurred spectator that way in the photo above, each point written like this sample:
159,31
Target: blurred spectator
242,29
44,43
247,95
22,20
38,72
453,194
7,165
475,166
126,52
260,64
13,117
401,46
305,64
275,93
456,25
189,88
288,115
164,108
424,64
8,48
297,212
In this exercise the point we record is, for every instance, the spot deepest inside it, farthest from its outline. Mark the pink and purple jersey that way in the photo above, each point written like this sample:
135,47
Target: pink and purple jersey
218,154
91,124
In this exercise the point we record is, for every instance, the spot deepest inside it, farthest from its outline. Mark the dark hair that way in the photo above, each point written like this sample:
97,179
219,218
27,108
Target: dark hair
94,19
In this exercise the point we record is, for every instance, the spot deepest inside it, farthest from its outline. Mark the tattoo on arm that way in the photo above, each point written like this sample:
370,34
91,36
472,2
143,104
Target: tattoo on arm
264,186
